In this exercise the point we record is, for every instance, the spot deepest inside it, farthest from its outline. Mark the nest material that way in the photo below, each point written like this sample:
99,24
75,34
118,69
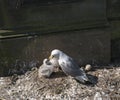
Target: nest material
60,86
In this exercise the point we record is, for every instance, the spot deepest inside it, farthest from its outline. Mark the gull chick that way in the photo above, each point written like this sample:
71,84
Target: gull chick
45,69
68,65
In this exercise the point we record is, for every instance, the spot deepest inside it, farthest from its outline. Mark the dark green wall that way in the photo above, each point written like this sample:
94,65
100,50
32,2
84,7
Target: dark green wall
113,9
52,16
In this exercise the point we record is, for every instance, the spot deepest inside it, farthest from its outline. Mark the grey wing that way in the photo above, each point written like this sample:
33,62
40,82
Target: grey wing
71,68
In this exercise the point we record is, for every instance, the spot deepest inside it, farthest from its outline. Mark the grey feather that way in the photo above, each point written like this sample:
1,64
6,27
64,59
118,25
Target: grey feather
69,66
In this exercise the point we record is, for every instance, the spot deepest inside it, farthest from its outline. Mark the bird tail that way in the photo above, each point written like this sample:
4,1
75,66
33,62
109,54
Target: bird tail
82,79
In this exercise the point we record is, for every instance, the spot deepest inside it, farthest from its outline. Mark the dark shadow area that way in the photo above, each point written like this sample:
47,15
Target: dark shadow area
21,3
115,51
58,75
93,79
113,9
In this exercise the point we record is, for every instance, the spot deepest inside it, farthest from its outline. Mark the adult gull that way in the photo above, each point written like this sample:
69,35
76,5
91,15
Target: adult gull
68,65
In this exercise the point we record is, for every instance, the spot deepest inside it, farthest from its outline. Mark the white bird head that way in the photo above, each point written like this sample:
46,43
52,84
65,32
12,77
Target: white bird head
45,61
55,54
54,57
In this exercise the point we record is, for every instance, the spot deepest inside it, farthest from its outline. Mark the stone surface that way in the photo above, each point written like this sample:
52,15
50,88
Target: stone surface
88,46
51,15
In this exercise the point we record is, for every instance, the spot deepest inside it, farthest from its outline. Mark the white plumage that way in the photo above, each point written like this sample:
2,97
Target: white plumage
68,65
45,69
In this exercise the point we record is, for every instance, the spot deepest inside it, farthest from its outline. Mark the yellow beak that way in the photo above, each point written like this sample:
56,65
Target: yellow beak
50,57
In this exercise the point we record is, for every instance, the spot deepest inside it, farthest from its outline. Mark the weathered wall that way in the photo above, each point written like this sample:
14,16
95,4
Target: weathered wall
113,9
59,19
88,46
53,16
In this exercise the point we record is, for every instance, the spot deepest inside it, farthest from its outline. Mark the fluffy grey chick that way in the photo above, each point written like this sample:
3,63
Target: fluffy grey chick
45,69
69,66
